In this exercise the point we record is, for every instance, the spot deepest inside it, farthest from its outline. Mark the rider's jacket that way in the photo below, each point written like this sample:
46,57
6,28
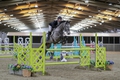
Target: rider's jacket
54,24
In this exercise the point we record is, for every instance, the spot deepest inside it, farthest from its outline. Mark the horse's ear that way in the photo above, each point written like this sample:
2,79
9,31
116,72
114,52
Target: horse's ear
68,21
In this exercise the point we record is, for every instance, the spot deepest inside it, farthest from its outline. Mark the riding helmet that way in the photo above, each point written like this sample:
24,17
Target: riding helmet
59,17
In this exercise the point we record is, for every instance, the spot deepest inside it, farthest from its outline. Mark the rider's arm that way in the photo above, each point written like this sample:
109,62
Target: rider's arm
50,26
54,24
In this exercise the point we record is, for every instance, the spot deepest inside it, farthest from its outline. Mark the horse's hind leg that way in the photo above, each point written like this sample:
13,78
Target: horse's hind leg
48,45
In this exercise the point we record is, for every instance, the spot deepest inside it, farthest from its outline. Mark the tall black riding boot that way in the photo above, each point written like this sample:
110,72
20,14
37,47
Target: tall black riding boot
49,33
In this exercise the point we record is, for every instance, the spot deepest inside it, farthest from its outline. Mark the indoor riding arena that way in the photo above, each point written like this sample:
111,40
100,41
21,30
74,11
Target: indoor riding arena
59,39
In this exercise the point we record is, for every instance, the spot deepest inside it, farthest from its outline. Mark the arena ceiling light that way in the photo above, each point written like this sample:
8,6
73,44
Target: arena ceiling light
79,8
84,23
107,14
67,14
74,6
95,25
119,15
110,18
33,13
86,1
39,25
11,15
110,4
36,5
8,19
38,20
19,7
92,20
5,9
14,23
100,23
95,18
23,28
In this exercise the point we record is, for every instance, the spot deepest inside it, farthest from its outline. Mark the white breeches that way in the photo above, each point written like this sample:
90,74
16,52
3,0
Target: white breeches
49,28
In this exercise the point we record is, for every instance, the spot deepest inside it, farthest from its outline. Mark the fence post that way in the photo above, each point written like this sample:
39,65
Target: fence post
44,51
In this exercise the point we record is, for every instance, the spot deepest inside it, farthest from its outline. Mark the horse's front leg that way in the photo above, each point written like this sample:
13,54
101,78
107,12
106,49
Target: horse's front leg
63,39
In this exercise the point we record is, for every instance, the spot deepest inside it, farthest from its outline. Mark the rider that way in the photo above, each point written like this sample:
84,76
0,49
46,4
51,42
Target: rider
53,25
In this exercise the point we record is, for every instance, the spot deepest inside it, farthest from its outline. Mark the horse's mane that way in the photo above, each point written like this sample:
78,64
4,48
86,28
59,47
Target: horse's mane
64,21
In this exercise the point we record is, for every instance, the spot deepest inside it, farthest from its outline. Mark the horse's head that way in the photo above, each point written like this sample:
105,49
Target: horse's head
67,27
